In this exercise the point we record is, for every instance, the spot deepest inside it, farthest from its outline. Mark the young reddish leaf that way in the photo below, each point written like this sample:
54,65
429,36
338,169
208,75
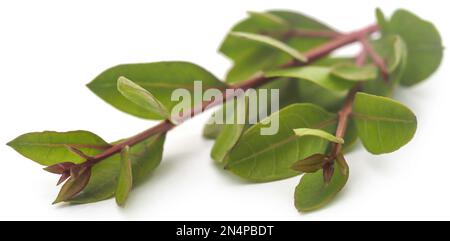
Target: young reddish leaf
76,170
73,186
310,164
103,183
60,168
63,177
328,170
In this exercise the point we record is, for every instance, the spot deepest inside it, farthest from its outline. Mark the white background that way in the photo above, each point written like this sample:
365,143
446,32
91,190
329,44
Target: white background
49,50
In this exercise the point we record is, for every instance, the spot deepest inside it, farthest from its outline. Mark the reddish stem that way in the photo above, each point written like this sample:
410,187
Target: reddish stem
343,116
376,58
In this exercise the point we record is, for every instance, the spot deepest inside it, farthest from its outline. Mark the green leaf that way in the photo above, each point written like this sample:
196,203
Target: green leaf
230,133
212,130
159,78
312,193
250,58
353,72
50,147
73,186
319,133
261,158
382,22
316,74
141,97
384,125
424,46
310,92
125,180
226,140
145,157
271,42
310,164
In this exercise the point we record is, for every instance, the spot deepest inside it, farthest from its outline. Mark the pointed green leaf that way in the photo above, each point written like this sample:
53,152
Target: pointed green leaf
261,158
159,78
319,133
212,130
125,180
353,72
424,44
145,157
49,147
231,132
250,58
382,22
317,74
60,168
73,186
141,97
384,125
310,164
271,42
312,193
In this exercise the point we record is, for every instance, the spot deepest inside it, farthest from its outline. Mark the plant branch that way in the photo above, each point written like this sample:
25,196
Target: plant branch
256,81
343,115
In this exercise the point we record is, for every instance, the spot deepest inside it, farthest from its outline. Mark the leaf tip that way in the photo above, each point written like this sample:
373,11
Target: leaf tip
90,85
57,200
10,144
120,203
121,81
